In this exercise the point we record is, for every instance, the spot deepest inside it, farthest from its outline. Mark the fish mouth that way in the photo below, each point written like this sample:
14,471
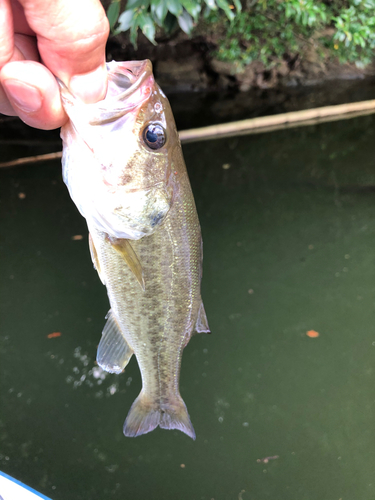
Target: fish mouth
130,84
128,75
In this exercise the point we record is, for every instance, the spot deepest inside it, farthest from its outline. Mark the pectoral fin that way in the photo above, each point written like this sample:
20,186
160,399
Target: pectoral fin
201,326
124,248
94,257
114,352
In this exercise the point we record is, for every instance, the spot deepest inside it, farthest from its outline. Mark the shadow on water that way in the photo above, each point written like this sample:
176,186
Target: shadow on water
289,230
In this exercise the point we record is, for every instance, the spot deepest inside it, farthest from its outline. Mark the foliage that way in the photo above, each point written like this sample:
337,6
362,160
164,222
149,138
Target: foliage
269,29
354,39
167,14
264,30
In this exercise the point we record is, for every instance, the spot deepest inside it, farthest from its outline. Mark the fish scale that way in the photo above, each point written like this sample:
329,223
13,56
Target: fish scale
153,274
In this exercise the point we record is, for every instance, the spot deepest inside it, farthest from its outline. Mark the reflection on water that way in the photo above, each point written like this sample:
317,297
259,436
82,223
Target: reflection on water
91,376
288,221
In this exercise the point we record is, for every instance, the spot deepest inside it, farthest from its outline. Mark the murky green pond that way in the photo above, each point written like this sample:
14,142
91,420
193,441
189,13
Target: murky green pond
288,221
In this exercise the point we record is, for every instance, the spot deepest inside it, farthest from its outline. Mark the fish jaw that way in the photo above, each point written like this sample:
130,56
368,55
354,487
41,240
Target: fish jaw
118,183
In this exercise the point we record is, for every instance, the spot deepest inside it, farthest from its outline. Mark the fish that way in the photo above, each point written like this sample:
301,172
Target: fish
124,169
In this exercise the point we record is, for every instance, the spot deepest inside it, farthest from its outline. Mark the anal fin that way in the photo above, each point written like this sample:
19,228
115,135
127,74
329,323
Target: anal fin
124,248
114,352
201,326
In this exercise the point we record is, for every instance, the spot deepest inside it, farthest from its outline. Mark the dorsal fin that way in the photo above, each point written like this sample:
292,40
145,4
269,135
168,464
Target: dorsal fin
94,258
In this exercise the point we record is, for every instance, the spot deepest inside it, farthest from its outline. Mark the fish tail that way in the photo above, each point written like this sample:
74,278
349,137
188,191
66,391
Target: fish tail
145,415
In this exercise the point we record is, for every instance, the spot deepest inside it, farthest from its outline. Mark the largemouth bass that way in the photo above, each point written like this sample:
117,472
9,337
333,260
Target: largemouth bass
123,166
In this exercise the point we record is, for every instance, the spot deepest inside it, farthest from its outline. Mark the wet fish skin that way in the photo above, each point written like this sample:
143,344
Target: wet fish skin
119,185
154,323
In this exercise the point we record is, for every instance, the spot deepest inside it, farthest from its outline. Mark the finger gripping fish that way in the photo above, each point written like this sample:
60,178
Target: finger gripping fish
123,166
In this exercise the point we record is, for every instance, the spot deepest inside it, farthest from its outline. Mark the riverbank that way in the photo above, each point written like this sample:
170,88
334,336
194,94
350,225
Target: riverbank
184,64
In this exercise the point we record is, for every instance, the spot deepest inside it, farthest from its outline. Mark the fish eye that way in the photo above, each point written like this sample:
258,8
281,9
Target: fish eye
154,136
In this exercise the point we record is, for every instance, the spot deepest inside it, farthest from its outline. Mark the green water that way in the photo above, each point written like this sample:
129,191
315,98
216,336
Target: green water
289,241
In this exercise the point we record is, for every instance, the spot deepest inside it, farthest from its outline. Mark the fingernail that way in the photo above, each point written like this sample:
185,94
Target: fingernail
26,97
90,87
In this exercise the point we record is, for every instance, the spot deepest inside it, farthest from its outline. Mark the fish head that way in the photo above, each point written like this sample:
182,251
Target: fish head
118,153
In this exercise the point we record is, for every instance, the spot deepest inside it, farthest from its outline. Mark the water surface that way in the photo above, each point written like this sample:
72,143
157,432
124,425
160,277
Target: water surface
288,221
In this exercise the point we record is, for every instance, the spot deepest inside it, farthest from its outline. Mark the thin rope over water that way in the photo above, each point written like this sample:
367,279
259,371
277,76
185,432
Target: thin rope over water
252,126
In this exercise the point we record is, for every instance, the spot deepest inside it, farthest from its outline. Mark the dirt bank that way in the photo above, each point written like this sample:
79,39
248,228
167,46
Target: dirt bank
188,64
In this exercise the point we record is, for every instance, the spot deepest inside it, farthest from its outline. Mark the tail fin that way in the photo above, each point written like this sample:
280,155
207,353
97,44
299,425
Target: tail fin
145,415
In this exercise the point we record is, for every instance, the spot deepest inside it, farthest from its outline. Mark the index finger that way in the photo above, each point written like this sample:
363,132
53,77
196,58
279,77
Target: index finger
6,33
71,37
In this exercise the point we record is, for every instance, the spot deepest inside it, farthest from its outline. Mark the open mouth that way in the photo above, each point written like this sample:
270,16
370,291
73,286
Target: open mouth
129,85
128,76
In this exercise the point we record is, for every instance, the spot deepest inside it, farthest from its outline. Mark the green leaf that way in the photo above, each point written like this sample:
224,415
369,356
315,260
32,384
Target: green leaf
193,7
238,5
147,26
311,19
170,23
126,20
159,10
134,34
133,4
223,4
175,7
211,4
186,22
113,12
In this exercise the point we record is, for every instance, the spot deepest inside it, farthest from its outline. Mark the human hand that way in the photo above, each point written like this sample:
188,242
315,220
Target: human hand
41,39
